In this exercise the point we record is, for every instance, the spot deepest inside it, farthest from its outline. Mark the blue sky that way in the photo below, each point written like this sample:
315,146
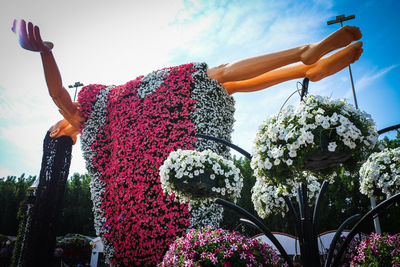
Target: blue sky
113,42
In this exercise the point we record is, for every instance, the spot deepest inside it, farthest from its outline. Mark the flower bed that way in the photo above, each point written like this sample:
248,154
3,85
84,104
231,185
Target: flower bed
378,250
380,174
209,247
204,214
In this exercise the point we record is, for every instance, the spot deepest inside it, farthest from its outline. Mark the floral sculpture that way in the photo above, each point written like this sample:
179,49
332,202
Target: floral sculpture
217,247
317,137
378,250
129,131
381,174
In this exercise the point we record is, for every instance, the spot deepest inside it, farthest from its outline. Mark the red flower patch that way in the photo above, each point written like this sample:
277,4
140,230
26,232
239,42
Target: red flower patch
138,135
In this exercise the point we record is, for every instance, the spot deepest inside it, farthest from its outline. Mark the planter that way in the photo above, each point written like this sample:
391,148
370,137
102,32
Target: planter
198,186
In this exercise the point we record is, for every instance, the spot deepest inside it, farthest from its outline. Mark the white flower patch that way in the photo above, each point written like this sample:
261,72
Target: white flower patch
267,199
180,167
97,187
332,146
214,112
151,82
381,174
205,214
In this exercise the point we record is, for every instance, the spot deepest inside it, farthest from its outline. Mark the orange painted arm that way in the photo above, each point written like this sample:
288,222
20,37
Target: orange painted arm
30,39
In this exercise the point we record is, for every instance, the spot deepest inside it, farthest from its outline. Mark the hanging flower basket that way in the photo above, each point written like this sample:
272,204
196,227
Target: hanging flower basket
380,174
199,176
319,135
323,158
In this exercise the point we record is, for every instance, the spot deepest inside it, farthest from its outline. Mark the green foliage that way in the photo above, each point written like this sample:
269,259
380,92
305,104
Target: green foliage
13,191
76,213
391,143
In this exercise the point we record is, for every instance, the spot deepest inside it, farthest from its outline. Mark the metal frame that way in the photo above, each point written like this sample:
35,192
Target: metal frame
306,223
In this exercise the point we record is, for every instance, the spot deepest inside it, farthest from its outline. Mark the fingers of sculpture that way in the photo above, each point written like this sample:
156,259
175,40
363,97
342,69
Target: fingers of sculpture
45,46
29,37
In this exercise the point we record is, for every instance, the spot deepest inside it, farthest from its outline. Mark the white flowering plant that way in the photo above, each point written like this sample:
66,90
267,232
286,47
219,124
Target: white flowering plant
320,135
200,176
204,214
268,199
380,174
308,144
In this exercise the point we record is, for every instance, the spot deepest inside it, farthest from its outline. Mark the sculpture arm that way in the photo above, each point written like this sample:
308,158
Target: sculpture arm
30,39
57,92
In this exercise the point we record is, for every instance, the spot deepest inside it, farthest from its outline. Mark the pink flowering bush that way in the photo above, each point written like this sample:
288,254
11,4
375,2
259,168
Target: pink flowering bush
349,253
217,247
378,250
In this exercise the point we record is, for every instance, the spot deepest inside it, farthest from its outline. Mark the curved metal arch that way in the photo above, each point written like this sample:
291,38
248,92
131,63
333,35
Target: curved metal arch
369,215
388,129
259,225
219,140
337,236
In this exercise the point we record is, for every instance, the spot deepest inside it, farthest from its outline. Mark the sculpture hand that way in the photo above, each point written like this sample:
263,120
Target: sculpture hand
30,38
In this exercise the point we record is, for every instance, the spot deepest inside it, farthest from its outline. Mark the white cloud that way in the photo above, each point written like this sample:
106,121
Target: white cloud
367,79
371,77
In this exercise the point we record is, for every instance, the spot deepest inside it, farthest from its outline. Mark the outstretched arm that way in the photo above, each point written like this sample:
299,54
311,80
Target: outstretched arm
30,39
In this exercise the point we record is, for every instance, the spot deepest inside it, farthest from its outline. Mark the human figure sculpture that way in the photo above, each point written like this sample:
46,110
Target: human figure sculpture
247,75
126,138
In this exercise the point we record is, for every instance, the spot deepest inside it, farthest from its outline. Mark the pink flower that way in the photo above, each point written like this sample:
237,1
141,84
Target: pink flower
136,138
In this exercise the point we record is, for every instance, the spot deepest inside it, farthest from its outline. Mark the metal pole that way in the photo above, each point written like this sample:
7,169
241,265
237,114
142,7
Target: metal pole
340,19
352,88
76,85
377,224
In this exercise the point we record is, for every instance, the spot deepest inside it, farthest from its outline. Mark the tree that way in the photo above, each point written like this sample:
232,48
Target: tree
13,191
76,212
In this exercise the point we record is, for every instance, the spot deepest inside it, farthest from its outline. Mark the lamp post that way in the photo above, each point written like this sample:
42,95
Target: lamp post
76,85
340,19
